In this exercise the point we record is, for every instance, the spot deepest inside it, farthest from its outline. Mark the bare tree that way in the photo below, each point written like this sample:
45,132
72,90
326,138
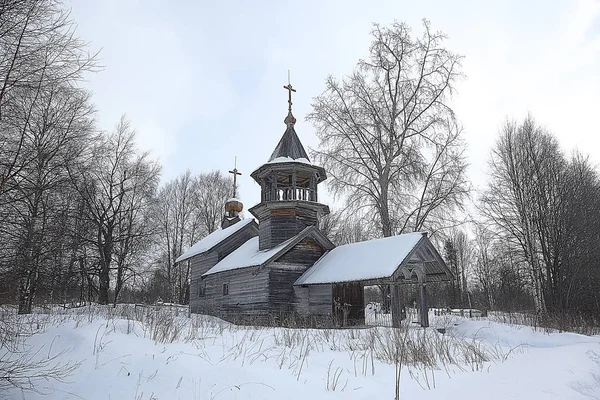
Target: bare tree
388,136
213,189
38,48
44,119
486,268
176,216
134,225
116,186
575,281
58,126
188,208
459,252
523,198
544,206
342,228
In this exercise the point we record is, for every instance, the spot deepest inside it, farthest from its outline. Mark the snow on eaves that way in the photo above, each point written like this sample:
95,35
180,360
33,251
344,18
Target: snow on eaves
301,160
371,259
210,241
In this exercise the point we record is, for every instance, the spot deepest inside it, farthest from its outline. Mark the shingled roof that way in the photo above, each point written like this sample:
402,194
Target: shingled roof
289,146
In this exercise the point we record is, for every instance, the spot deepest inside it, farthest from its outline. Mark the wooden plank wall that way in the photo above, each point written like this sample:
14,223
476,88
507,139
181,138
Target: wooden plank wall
248,296
202,263
285,271
314,300
264,233
199,265
261,295
283,223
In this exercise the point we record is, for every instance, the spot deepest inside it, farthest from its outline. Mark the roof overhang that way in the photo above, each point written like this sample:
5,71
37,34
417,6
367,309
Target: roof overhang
286,166
217,237
260,209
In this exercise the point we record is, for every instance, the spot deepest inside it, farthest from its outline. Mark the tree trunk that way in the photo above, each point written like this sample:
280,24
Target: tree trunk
27,289
104,283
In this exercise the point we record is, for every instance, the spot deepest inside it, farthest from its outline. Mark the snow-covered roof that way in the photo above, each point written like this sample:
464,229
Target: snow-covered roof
210,241
371,259
248,254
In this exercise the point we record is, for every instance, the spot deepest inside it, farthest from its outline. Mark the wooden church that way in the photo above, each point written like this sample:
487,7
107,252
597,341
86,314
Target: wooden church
283,266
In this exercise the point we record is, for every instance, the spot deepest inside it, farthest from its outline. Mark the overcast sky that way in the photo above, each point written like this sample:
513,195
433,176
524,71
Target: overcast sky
202,81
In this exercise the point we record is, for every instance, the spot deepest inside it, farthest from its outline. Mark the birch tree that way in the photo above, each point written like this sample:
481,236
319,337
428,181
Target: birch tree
176,217
525,200
544,206
388,136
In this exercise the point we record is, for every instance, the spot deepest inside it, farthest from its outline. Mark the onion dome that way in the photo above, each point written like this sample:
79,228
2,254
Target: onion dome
233,205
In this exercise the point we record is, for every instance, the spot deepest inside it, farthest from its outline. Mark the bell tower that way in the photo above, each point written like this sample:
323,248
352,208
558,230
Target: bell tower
288,182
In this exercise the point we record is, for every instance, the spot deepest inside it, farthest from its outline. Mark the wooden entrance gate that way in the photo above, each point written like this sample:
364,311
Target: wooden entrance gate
348,304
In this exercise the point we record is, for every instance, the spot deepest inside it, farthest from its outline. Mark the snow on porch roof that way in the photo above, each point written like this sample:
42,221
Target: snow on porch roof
210,241
362,261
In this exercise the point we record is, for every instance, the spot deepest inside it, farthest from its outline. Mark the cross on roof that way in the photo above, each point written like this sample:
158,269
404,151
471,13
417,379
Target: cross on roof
289,120
290,89
235,173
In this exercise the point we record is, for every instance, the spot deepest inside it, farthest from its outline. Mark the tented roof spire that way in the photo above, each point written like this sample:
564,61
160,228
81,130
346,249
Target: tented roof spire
289,146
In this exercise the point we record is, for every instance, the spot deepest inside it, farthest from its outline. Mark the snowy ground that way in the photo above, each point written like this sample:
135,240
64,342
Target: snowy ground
161,356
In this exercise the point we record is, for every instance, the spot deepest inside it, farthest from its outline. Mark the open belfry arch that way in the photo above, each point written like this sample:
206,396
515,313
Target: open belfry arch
284,266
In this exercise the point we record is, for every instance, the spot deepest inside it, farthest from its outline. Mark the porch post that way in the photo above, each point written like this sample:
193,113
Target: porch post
294,185
396,305
424,309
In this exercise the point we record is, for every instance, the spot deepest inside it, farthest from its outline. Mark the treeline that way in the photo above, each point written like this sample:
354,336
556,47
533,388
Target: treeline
532,245
80,215
542,207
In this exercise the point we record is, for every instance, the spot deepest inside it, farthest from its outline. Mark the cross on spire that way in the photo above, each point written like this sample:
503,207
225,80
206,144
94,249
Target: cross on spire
235,173
290,118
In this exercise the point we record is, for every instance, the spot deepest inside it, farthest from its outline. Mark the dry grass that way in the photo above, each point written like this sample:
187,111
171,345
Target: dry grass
23,366
421,351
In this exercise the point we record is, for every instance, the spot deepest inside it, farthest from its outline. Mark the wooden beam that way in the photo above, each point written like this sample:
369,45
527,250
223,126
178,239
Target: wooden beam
397,306
423,309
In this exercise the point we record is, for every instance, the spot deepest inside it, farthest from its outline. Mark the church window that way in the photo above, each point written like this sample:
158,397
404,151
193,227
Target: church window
225,289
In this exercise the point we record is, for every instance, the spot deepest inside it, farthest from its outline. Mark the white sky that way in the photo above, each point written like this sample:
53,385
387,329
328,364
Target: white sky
202,81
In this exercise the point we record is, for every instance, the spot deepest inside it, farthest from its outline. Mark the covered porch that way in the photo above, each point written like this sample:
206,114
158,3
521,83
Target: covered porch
389,264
